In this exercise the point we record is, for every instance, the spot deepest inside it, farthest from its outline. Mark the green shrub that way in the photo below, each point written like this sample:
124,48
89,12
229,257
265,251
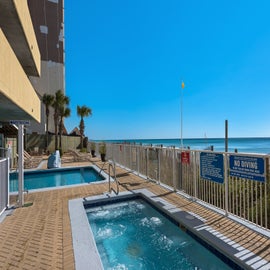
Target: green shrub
102,148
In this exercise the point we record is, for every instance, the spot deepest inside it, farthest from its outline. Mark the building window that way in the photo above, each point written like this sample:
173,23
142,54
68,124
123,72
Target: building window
44,29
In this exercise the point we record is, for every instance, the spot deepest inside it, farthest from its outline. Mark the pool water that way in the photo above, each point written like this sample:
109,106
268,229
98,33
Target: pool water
133,235
55,178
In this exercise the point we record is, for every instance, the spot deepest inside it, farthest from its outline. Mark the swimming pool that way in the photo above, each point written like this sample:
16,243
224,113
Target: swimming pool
40,179
134,235
92,254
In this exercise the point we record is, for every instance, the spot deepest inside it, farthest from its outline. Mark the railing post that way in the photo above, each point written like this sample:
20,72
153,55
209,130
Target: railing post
139,157
181,175
146,161
194,160
226,184
174,174
130,157
159,150
124,149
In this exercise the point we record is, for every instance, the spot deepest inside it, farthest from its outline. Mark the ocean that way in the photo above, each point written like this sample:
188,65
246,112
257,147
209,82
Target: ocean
242,145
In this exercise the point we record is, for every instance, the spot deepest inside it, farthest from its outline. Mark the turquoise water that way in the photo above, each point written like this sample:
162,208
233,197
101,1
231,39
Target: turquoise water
133,235
55,178
244,145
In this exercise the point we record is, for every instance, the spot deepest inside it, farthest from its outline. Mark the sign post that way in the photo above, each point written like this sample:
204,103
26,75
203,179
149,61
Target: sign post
182,86
20,124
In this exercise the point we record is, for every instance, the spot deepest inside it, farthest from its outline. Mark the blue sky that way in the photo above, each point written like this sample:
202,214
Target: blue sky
125,59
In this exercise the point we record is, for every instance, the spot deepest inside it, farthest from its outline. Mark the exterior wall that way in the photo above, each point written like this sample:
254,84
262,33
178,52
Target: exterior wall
48,21
15,86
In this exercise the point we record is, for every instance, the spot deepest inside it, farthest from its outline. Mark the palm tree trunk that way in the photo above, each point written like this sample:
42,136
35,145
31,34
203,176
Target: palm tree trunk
56,137
56,132
60,140
82,131
60,134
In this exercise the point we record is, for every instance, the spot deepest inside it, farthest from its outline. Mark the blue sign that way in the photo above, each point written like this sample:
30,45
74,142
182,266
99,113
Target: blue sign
19,122
252,168
212,167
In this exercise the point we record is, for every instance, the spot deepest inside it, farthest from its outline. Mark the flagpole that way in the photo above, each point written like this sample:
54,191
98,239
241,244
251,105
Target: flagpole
182,88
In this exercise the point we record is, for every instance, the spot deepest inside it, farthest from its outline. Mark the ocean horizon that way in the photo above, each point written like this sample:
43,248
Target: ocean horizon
260,145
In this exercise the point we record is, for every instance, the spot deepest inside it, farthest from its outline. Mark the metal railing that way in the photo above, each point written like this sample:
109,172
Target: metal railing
245,198
4,184
112,165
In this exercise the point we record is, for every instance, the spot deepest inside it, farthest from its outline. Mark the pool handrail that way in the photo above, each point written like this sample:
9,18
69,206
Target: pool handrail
112,165
101,169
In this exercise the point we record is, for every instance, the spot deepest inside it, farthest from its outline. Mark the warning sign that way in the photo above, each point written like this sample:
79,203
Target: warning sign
247,167
212,167
185,157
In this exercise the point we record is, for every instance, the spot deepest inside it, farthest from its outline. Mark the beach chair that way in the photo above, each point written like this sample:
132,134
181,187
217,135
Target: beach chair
31,162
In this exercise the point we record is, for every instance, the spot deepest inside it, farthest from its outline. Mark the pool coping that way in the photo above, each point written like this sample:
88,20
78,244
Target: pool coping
192,223
86,255
96,168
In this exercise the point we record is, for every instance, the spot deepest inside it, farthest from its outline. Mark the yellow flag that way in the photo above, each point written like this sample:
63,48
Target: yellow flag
183,85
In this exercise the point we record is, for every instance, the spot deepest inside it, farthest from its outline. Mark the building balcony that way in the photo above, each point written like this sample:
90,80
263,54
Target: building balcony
17,26
18,98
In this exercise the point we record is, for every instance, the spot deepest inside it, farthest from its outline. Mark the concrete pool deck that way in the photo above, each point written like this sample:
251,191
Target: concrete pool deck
39,236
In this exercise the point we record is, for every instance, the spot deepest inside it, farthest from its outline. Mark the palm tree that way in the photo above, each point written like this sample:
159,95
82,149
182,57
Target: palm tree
60,100
63,113
47,100
83,112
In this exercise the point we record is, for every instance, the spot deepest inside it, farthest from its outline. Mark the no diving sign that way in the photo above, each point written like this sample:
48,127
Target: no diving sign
252,168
